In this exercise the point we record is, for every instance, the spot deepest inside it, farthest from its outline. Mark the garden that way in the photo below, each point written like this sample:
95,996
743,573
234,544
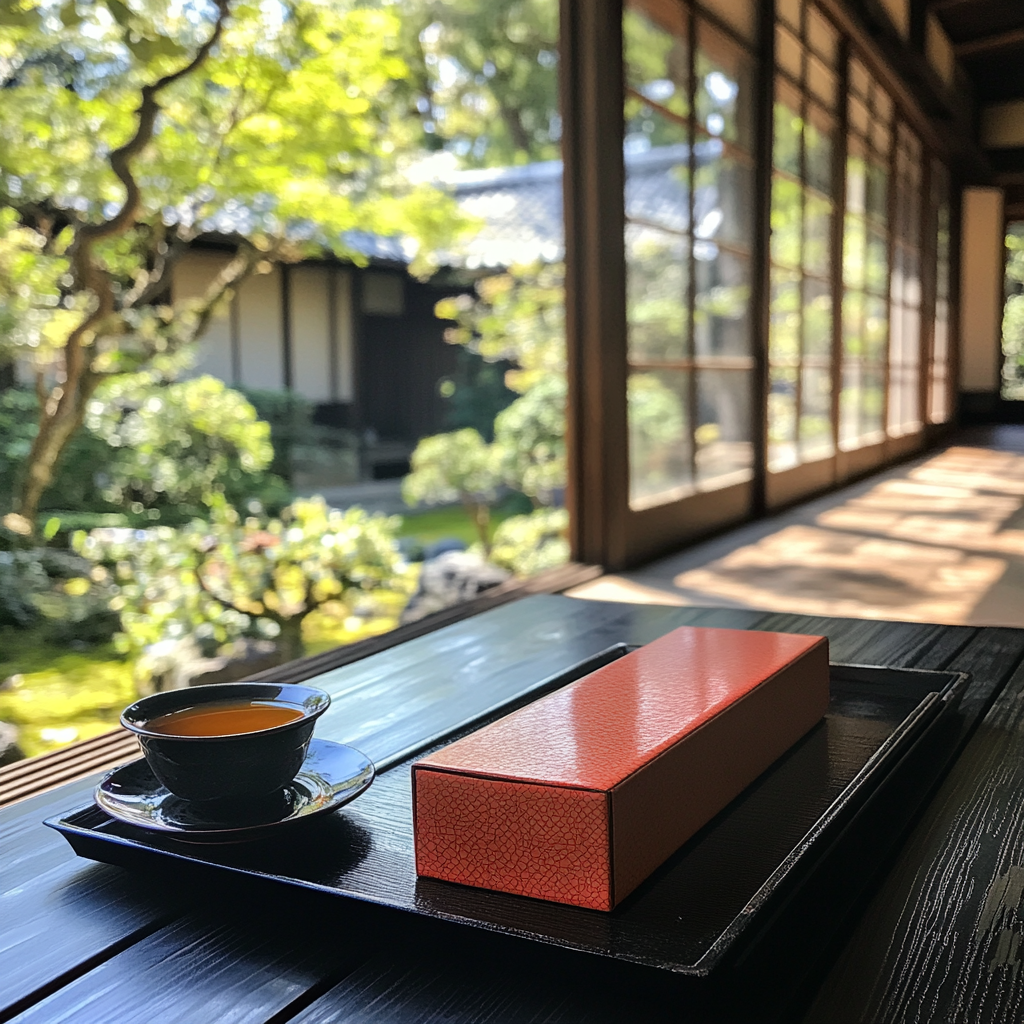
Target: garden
150,535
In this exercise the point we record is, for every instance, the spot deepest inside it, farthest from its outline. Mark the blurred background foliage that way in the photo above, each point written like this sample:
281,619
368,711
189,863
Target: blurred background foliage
148,515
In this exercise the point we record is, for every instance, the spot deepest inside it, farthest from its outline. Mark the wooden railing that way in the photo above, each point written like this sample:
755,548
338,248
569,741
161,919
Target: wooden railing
101,753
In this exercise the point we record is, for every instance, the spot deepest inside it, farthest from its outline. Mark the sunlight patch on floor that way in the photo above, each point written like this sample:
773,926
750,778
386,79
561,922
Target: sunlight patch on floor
942,542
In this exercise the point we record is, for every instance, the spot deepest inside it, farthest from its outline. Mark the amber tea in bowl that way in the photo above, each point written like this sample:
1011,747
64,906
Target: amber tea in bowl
226,742
227,719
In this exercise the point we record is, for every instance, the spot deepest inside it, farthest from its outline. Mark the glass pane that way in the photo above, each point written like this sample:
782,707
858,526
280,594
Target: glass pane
656,289
860,80
788,11
881,137
849,406
646,126
737,14
860,119
788,128
782,446
876,328
882,105
911,278
822,82
877,191
724,197
724,453
821,36
856,178
903,400
656,62
816,412
854,240
1013,313
872,404
724,87
786,213
788,53
657,189
660,466
876,262
721,320
818,135
853,325
896,278
784,333
817,309
817,235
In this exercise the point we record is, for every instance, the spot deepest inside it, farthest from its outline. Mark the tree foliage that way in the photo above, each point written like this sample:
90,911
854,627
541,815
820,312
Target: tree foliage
130,130
233,577
1013,314
484,72
148,446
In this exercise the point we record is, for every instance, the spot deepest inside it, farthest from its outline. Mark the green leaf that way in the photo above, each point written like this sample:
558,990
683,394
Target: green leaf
69,16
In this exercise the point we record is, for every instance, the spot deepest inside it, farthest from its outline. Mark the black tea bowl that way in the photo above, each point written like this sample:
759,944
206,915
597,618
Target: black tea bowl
239,767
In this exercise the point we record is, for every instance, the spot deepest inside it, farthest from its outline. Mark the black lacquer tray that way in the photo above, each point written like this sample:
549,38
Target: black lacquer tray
770,877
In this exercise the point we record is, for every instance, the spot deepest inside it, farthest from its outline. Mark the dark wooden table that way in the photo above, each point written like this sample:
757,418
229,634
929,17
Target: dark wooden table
939,937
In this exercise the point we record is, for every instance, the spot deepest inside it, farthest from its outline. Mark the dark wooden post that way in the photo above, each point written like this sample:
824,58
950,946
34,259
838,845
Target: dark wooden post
591,84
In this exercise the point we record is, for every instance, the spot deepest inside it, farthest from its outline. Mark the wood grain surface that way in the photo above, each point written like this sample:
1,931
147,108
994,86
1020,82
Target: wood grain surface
938,941
942,938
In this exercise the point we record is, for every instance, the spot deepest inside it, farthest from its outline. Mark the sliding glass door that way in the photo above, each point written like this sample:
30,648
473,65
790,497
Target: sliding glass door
759,303
689,171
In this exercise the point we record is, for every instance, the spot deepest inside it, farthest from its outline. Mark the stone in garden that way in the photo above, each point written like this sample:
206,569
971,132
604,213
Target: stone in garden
451,579
9,749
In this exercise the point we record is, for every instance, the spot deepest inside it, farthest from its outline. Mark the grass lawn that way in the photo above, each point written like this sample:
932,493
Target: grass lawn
451,521
55,695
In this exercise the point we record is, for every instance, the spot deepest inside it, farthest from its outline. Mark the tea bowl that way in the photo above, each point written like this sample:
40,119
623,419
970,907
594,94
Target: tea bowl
237,767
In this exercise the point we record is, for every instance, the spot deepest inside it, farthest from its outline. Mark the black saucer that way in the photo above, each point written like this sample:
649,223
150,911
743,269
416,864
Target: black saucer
331,775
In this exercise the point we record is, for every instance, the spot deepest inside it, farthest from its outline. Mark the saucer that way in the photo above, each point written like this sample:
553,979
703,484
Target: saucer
331,775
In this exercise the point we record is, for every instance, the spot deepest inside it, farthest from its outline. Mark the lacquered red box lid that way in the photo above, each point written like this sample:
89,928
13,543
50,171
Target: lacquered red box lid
603,728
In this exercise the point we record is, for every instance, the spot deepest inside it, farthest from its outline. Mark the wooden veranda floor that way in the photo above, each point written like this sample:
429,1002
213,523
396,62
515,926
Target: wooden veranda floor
940,539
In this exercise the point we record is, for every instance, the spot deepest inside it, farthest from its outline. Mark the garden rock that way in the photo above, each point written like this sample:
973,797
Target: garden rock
9,749
451,579
185,665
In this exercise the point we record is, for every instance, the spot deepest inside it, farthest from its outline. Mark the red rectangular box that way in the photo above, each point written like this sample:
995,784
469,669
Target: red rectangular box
580,795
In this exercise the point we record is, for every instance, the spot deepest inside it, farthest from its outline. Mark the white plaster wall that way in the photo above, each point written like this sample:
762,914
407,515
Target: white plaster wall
310,332
260,330
981,289
1002,125
192,276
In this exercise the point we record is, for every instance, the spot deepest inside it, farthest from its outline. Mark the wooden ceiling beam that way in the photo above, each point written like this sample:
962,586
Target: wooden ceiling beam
986,44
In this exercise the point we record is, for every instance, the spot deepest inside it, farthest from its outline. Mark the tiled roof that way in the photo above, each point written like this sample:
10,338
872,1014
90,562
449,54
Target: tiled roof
521,209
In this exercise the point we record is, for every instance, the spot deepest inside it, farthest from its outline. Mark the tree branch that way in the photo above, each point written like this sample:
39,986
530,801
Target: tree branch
220,600
149,108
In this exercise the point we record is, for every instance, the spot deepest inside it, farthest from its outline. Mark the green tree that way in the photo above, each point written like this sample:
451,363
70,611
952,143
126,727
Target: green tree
457,466
484,76
129,130
233,577
148,445
1013,314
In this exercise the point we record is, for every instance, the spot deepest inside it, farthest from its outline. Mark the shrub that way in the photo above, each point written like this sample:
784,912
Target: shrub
231,577
56,589
532,543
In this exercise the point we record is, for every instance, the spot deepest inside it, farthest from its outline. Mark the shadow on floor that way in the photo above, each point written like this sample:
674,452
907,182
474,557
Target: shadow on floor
937,540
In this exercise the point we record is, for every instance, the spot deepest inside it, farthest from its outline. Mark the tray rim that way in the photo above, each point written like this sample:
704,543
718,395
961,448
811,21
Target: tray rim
822,835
